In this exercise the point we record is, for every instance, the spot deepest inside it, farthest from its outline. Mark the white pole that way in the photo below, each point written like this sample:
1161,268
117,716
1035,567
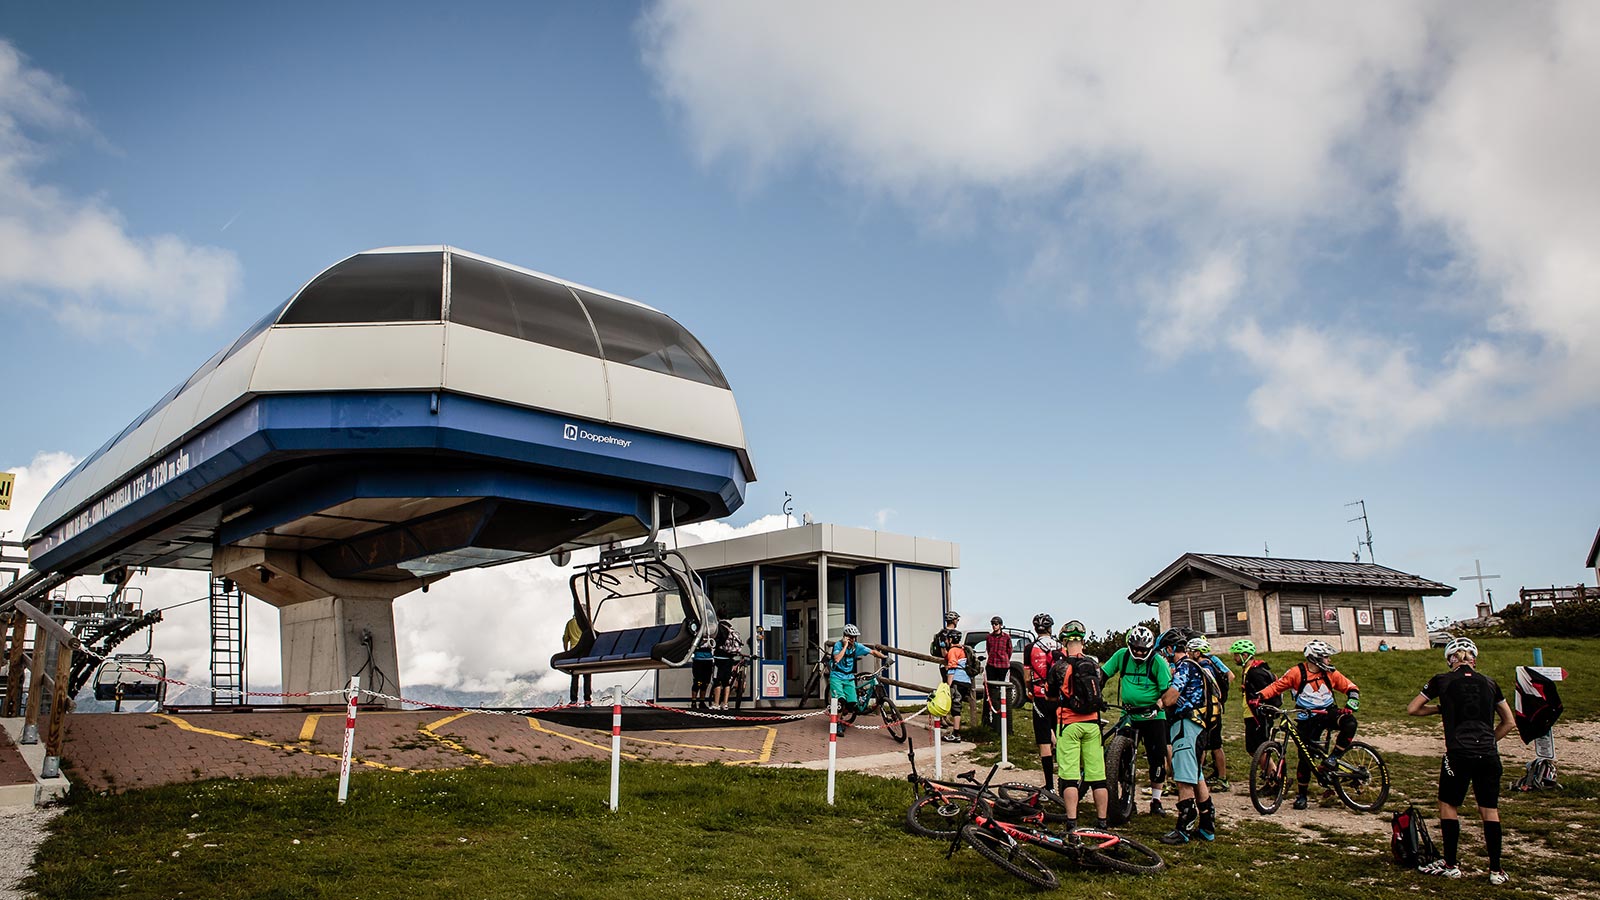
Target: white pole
833,743
1005,728
616,743
354,693
938,747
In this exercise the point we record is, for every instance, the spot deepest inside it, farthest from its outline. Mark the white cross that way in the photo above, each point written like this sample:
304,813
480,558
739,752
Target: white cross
1480,578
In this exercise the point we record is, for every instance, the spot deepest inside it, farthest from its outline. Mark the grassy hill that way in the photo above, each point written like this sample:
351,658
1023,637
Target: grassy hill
734,832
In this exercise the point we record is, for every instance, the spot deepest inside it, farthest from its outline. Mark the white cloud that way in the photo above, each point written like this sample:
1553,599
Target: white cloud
1283,135
76,258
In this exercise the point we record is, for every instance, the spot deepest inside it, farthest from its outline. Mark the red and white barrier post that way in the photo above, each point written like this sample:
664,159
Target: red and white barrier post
938,747
354,696
1005,730
833,743
616,743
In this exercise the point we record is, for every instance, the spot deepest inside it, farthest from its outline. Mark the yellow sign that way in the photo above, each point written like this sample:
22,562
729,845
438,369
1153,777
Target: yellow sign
6,478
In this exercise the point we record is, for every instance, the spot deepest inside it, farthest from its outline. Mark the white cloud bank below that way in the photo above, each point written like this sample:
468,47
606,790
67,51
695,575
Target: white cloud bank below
1248,140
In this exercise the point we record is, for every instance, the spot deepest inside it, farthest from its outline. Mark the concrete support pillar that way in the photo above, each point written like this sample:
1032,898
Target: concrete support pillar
331,628
324,642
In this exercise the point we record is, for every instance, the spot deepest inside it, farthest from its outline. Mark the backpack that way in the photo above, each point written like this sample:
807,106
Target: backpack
1223,674
1208,714
939,702
1083,681
728,642
1409,839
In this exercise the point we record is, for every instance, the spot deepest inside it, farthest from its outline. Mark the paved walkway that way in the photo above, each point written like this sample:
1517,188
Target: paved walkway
106,751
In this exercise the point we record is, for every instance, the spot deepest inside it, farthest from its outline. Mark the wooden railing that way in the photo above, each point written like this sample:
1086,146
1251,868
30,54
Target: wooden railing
50,639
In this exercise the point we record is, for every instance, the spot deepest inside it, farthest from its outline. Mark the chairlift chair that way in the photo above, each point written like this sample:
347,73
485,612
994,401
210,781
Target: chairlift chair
638,609
132,678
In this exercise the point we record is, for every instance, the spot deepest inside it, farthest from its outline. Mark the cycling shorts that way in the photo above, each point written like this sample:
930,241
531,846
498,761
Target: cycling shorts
1078,748
1153,734
702,673
1459,770
843,687
960,692
1185,735
1044,720
724,671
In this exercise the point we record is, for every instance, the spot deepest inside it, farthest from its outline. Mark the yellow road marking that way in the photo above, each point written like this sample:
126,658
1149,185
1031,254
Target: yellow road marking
428,730
308,730
766,748
274,745
534,724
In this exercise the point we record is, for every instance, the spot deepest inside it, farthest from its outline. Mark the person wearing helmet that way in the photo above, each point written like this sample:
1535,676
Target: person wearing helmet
842,673
1313,683
996,669
1200,651
1040,656
1257,675
1192,686
945,638
1469,702
1078,682
960,681
1146,685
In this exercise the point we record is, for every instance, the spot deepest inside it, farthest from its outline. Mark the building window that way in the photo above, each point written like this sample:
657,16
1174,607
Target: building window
1297,618
1209,617
1391,621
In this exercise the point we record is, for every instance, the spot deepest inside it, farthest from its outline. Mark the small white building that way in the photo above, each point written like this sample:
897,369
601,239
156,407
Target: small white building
1280,604
802,584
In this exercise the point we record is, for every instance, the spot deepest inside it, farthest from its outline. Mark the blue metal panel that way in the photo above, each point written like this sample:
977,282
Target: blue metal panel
563,461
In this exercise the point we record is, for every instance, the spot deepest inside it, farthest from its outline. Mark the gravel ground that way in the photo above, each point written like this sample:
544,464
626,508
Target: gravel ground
21,832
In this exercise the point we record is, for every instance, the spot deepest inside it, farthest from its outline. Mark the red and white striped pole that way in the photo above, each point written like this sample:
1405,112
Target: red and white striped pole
1005,730
354,692
616,743
833,743
938,747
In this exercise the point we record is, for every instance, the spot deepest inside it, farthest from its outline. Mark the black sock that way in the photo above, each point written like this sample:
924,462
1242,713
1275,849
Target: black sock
1048,761
1100,823
1072,824
1451,830
1491,839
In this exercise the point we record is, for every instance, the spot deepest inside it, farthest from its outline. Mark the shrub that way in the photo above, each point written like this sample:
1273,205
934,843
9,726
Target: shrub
1579,618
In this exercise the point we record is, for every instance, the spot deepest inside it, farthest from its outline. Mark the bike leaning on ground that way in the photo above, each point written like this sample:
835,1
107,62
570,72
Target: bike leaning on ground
1359,777
1012,846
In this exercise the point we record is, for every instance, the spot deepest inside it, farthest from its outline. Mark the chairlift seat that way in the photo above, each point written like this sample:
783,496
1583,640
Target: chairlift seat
655,646
129,673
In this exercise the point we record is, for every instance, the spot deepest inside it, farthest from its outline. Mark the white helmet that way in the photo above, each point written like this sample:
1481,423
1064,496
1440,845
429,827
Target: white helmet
850,631
1317,653
1460,645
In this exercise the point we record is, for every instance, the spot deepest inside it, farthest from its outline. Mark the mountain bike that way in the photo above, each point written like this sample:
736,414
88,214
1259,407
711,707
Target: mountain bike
1121,745
939,807
872,696
1010,845
1360,778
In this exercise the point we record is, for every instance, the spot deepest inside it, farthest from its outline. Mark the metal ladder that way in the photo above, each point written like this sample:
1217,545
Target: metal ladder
227,643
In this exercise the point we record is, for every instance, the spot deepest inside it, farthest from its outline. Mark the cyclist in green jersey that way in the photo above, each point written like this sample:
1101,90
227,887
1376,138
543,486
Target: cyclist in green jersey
1146,677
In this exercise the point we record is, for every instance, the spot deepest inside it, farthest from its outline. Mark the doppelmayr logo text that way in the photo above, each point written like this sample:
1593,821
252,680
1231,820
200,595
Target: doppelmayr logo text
574,433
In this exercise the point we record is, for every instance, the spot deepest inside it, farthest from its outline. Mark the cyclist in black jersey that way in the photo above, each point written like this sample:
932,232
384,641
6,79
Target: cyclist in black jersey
1469,702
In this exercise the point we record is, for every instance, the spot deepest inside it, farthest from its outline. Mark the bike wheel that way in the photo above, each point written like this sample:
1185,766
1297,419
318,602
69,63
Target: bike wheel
893,723
998,847
939,815
1269,778
1119,779
1021,799
1127,855
1361,779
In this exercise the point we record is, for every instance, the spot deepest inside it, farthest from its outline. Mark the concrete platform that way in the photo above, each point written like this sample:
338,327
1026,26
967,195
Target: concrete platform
107,751
20,784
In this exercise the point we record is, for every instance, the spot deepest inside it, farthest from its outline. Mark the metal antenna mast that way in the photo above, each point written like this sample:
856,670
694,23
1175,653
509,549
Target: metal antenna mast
1367,525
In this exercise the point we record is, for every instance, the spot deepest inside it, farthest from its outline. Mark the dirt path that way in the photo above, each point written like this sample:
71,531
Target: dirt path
1577,745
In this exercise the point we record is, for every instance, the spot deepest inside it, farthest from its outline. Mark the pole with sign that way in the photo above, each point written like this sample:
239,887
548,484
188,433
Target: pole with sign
7,479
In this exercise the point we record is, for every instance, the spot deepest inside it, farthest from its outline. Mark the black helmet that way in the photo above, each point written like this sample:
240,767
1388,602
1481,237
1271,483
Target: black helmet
952,617
1042,623
1174,639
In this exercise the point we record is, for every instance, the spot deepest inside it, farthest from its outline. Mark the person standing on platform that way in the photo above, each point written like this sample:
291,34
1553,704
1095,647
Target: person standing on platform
569,639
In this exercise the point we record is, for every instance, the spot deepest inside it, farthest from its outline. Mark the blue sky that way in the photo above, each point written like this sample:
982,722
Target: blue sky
1080,290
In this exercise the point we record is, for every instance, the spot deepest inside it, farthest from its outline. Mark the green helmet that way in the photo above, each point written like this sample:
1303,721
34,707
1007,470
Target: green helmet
1247,647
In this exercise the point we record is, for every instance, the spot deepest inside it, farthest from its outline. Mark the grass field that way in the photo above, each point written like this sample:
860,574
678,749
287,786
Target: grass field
734,832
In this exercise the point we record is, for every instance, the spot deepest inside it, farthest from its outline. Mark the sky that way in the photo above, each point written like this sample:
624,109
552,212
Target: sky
1079,287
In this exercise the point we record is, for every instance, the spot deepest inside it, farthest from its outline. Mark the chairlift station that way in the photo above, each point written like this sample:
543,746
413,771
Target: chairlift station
409,412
